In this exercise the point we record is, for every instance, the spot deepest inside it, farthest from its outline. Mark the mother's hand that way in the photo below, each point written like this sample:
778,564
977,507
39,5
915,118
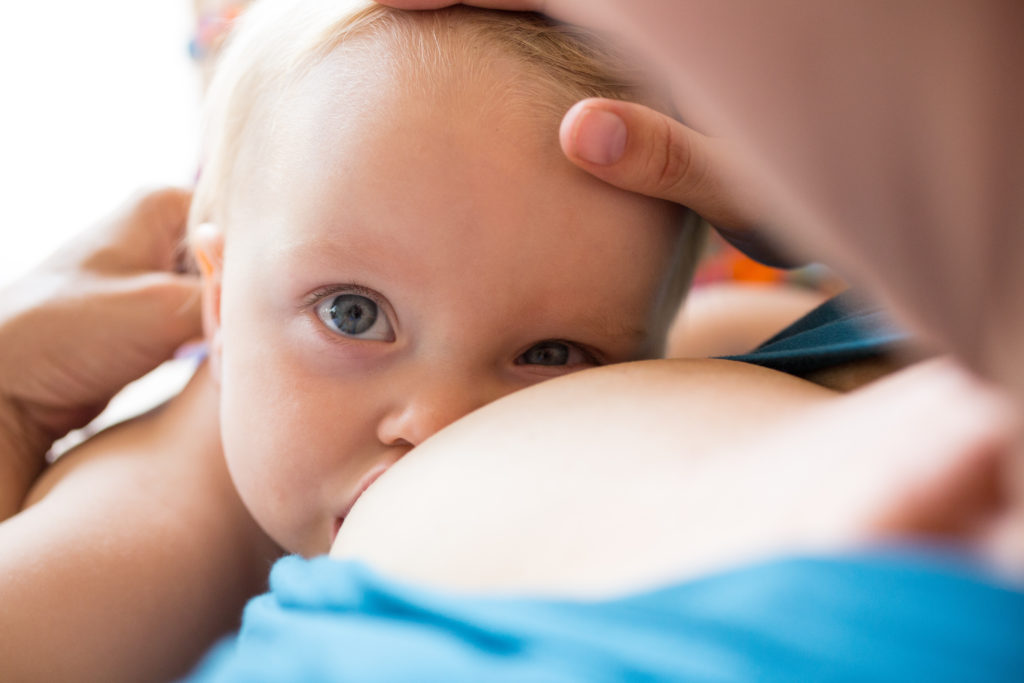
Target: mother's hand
638,149
99,313
550,7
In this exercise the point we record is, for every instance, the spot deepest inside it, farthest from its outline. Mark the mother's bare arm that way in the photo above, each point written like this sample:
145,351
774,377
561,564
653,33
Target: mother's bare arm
617,479
133,555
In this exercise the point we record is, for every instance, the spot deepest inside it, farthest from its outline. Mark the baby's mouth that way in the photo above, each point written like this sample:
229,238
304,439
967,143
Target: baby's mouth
367,480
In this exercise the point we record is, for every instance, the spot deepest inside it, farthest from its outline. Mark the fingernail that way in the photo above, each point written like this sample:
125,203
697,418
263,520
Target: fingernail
600,137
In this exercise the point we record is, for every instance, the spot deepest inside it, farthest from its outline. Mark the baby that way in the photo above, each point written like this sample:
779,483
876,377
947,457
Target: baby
391,238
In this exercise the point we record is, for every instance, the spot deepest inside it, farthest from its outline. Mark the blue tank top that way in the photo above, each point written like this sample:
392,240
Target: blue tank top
843,329
883,617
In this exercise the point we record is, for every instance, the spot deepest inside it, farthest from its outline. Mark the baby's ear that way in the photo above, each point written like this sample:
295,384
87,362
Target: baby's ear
207,242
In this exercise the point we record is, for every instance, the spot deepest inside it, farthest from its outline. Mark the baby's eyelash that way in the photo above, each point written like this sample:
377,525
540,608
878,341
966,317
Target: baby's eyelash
322,293
590,354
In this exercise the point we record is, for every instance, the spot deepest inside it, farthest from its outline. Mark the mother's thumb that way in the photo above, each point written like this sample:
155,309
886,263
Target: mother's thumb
638,149
644,151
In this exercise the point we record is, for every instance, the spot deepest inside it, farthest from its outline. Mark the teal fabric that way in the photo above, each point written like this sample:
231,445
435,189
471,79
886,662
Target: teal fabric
892,616
845,328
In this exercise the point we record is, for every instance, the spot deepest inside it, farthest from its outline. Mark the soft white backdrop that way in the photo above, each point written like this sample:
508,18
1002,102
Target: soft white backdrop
97,99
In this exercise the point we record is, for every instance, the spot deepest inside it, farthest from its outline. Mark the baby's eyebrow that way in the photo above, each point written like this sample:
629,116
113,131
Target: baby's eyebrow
605,325
328,250
596,323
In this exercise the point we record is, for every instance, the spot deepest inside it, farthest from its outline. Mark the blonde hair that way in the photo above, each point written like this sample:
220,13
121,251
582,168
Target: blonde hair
278,41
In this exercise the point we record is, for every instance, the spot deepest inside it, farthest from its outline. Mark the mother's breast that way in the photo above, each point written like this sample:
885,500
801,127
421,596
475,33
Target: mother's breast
587,485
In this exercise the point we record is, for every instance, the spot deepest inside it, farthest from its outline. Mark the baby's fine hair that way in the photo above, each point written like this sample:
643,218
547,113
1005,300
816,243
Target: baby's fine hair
276,42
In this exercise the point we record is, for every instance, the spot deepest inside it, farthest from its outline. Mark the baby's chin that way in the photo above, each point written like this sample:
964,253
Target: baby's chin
311,541
309,549
317,541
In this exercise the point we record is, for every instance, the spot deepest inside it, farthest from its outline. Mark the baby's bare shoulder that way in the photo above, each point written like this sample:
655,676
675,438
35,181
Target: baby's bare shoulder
137,537
140,449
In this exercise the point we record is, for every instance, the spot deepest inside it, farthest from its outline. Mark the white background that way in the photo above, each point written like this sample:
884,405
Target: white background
97,99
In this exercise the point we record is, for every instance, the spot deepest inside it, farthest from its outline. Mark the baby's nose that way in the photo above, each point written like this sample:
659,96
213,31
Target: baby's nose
428,408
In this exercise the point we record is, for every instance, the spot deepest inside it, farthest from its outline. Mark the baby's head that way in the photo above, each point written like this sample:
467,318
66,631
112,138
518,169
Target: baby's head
400,240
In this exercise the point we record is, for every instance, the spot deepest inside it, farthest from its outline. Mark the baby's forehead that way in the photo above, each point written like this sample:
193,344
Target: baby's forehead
461,73
465,211
361,90
530,67
521,62
394,117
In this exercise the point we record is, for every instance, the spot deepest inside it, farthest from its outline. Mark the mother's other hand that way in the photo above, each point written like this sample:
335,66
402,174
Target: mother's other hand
99,313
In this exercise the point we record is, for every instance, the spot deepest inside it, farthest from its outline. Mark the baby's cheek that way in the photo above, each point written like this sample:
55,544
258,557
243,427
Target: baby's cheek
252,430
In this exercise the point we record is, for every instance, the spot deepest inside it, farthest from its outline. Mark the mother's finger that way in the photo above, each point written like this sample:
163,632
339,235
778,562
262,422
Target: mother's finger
523,5
584,13
641,150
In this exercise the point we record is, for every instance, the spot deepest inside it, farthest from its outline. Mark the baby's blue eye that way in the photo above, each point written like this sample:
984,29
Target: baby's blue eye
354,315
547,353
555,353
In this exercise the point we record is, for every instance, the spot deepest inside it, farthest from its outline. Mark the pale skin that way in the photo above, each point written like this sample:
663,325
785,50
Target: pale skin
453,349
685,467
927,123
982,439
139,542
929,226
60,365
727,318
196,538
78,567
439,347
